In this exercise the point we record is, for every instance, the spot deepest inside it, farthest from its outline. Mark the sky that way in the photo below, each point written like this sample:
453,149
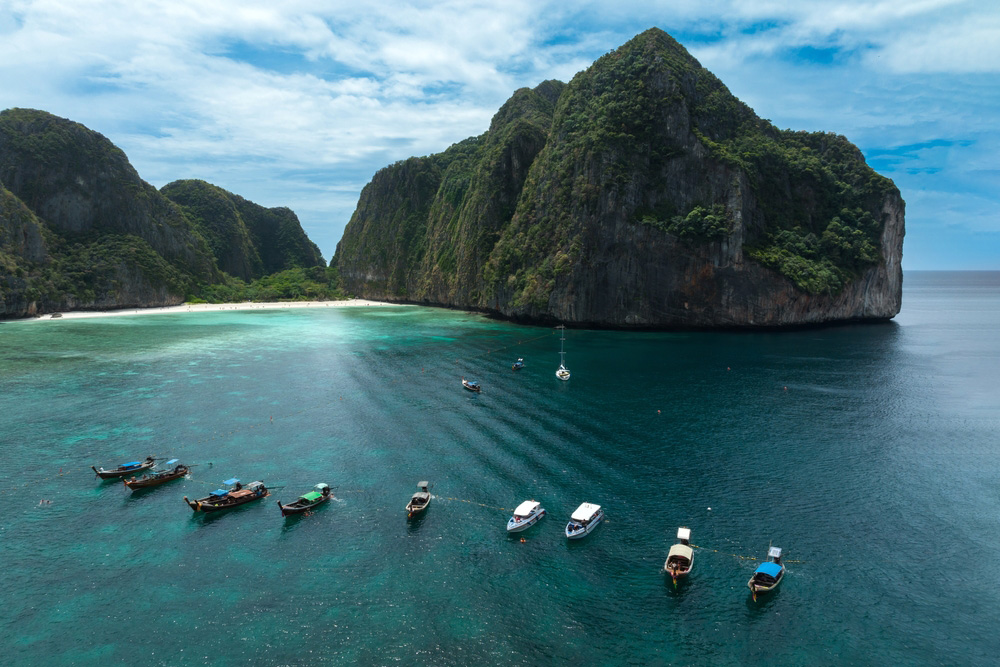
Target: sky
298,103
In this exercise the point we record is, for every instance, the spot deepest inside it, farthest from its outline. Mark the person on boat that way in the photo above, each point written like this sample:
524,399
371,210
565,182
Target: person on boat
238,486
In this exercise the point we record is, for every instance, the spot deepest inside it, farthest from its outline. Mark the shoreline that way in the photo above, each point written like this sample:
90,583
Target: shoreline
209,307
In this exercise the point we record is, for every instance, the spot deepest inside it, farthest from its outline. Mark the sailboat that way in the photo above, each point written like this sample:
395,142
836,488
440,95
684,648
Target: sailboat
562,373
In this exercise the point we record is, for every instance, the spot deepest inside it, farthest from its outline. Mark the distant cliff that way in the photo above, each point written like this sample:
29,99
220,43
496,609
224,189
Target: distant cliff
79,229
248,240
641,194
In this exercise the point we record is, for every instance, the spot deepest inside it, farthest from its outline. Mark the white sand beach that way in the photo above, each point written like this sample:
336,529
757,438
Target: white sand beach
211,307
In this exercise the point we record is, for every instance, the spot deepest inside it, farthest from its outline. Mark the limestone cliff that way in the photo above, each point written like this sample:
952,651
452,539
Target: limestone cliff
247,240
641,194
80,230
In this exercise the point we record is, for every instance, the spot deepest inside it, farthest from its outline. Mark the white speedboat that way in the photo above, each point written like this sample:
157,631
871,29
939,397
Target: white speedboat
525,516
680,559
583,520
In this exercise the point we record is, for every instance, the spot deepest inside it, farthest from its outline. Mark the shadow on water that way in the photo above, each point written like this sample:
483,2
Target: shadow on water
763,602
414,522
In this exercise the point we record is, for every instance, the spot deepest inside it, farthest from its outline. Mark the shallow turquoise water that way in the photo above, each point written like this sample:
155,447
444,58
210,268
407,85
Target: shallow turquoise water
867,452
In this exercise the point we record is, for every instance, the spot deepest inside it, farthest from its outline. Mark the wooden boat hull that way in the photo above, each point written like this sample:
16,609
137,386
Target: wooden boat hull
211,505
416,510
136,484
757,588
294,509
118,472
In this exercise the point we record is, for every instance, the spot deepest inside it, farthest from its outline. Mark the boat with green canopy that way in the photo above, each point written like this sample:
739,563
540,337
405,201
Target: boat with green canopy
319,495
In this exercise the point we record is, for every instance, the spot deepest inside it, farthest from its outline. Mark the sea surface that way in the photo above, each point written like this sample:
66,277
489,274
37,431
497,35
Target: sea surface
869,453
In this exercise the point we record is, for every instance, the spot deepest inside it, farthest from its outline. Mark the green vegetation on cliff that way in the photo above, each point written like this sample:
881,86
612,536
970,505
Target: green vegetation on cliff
80,229
520,217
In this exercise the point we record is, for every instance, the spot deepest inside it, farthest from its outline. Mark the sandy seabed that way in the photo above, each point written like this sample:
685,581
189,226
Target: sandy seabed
212,307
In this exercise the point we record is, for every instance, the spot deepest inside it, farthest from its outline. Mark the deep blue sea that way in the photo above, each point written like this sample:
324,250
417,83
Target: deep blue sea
869,453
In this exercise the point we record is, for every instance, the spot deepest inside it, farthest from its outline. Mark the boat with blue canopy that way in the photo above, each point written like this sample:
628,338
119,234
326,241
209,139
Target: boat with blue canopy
518,365
471,385
221,499
125,469
768,574
155,478
319,495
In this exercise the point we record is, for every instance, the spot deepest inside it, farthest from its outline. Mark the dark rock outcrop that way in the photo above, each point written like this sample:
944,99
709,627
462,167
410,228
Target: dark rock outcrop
80,230
642,194
247,240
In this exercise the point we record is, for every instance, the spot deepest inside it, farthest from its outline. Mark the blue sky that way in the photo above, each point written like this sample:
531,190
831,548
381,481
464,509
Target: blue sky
298,103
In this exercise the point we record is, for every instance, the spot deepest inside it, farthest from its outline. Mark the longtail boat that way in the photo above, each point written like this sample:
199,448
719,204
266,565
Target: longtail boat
155,478
768,575
125,468
680,559
319,495
471,385
234,497
420,500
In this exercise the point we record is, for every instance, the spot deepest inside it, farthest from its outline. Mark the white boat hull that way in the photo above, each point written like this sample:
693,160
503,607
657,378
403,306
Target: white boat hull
583,531
514,526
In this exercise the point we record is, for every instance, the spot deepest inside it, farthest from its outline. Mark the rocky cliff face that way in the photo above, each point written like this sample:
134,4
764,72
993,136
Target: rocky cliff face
80,230
642,194
247,240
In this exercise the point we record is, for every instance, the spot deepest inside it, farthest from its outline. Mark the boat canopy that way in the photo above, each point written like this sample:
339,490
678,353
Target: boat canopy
253,486
218,493
585,512
171,462
131,464
421,495
774,552
321,487
311,497
683,533
423,485
526,508
232,480
770,569
682,551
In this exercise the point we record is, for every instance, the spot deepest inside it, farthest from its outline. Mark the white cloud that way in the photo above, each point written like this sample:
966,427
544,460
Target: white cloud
298,103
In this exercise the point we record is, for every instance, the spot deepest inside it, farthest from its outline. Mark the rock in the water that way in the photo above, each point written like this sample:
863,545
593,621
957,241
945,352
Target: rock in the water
641,194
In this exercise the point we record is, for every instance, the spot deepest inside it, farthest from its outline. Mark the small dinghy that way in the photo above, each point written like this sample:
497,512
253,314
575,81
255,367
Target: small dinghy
156,478
420,500
583,520
680,559
234,497
471,386
319,495
518,365
768,575
525,516
125,468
